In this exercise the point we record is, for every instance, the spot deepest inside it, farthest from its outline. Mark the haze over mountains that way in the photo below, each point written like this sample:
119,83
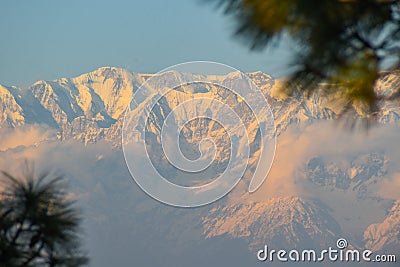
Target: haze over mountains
326,183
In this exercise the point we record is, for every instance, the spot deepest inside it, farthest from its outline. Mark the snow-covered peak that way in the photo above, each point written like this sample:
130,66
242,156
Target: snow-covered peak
385,235
279,222
11,114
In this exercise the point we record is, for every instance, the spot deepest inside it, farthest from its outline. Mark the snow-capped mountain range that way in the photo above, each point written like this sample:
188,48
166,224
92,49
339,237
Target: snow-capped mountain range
90,108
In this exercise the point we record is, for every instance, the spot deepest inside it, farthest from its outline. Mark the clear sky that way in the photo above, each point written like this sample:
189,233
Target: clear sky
48,39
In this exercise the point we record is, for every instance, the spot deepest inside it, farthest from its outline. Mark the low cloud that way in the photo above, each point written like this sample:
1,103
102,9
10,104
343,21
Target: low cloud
112,201
390,188
333,143
24,136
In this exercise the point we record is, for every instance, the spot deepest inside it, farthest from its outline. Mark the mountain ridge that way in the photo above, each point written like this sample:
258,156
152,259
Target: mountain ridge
91,106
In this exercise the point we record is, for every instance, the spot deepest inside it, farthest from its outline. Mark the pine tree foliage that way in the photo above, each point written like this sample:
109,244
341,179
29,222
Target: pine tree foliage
39,226
342,43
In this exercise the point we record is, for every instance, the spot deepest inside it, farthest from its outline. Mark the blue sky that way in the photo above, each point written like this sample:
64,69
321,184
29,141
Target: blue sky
44,39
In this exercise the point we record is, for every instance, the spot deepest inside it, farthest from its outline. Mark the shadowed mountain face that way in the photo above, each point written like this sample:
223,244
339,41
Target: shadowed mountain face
320,189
